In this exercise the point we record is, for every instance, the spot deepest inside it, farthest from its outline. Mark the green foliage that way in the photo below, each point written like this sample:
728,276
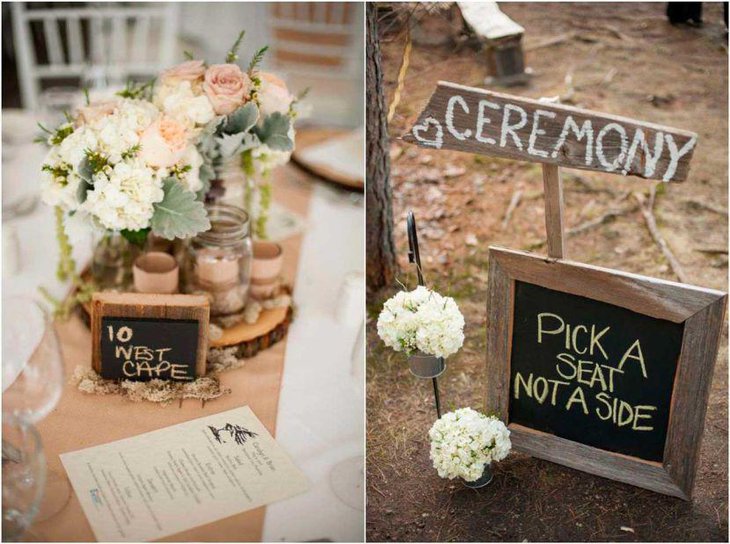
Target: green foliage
247,163
241,120
274,132
263,218
61,133
60,172
136,237
67,270
256,59
131,152
232,55
300,96
95,162
137,91
66,264
179,215
188,55
86,96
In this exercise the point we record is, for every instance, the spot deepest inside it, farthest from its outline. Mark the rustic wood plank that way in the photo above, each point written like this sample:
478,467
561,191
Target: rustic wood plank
499,338
692,391
488,123
136,305
553,186
702,312
610,465
662,299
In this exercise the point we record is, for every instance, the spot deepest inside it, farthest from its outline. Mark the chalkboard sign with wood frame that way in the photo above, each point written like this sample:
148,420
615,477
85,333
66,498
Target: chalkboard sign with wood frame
600,370
141,337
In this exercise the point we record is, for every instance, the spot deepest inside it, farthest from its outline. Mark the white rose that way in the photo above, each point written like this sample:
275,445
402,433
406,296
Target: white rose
273,95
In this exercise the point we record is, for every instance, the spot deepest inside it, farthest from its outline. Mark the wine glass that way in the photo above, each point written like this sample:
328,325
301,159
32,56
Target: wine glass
32,367
33,379
58,101
24,471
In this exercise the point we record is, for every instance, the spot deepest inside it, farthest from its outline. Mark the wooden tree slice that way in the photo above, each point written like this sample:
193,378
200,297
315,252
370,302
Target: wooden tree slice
313,136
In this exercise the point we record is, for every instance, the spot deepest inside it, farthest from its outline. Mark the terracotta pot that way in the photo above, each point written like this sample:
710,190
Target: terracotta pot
156,272
268,258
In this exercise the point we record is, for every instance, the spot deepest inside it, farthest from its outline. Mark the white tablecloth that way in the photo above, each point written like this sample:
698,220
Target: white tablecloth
321,408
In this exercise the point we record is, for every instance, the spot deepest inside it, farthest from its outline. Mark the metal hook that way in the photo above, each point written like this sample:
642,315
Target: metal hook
414,255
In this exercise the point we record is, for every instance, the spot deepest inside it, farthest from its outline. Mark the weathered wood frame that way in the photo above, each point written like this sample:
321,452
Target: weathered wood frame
702,312
153,306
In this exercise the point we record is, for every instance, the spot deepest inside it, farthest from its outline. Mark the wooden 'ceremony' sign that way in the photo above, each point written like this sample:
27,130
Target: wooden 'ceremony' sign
478,121
141,337
597,369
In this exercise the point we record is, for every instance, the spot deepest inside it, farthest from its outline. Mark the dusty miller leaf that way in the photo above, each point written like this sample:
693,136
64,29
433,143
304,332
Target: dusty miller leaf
179,215
274,132
242,119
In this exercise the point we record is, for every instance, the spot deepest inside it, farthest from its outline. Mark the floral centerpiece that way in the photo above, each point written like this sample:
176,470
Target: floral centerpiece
465,442
242,121
143,161
422,321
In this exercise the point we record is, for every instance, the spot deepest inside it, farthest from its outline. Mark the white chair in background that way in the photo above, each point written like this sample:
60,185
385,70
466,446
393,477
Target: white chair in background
133,41
319,45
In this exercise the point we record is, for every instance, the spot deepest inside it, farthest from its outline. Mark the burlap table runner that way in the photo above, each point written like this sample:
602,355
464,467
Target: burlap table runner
81,420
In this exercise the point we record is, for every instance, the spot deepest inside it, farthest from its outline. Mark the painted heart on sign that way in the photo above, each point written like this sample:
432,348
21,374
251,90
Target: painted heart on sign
424,127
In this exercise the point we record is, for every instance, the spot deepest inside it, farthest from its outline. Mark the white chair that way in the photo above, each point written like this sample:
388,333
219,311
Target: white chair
134,41
319,44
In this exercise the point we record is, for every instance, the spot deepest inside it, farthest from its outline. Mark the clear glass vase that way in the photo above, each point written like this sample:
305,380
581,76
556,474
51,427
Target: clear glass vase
234,187
112,260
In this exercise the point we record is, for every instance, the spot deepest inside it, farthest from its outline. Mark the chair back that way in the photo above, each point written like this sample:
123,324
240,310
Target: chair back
134,40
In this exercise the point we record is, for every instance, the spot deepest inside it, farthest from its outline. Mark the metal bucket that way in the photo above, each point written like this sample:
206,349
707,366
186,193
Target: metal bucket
426,366
485,478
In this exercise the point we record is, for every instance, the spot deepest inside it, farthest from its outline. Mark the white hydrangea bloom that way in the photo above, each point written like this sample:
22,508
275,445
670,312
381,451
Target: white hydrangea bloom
464,441
124,197
191,179
184,103
422,320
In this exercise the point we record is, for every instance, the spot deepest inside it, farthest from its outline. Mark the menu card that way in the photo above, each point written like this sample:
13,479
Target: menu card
166,481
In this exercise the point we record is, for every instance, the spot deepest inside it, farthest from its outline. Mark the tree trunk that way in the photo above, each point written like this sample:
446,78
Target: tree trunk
381,261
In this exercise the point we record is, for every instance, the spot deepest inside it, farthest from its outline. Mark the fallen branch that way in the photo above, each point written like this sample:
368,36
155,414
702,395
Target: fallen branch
588,186
712,250
554,40
710,207
588,225
648,213
513,203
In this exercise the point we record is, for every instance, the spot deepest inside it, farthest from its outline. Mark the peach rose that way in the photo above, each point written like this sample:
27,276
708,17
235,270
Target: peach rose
273,95
92,112
191,70
227,87
163,143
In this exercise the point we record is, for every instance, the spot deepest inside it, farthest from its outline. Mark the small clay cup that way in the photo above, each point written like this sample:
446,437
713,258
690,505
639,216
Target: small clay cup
156,272
268,258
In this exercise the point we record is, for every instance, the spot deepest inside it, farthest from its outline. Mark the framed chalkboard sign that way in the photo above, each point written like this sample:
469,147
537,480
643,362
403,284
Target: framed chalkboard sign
603,371
141,337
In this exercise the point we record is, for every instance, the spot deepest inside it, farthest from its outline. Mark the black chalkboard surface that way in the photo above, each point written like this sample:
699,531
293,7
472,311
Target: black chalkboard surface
142,349
592,372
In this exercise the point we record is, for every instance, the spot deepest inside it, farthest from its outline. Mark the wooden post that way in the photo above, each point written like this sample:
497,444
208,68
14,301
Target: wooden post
553,187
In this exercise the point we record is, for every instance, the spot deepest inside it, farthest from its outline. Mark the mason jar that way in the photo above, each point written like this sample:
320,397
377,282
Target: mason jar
218,261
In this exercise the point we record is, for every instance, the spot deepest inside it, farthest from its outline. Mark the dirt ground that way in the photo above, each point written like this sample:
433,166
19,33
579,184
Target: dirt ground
620,58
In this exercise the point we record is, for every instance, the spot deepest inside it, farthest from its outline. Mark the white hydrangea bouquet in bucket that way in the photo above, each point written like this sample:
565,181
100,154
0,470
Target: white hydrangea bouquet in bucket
425,325
465,443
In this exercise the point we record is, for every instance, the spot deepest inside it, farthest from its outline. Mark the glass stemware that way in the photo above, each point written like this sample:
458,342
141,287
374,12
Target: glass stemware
32,367
23,476
33,380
